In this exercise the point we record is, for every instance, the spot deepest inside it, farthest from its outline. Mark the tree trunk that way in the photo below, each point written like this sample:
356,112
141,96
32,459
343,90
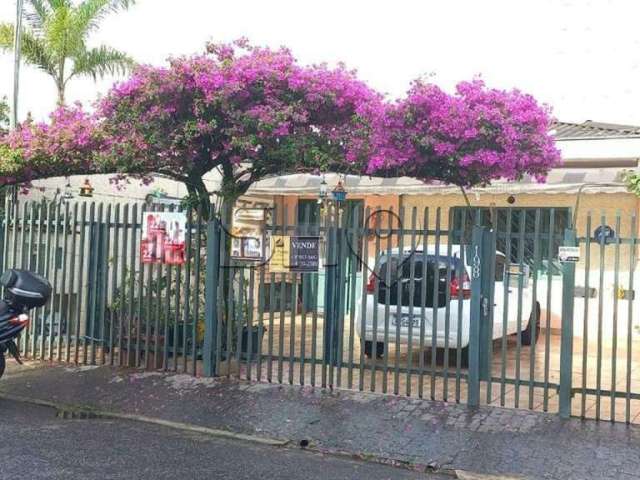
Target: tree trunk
60,88
199,194
226,219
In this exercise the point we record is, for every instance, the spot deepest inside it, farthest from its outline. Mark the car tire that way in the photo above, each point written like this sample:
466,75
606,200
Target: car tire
526,337
368,349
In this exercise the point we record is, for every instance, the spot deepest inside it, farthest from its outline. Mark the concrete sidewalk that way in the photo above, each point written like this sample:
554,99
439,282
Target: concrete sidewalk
428,435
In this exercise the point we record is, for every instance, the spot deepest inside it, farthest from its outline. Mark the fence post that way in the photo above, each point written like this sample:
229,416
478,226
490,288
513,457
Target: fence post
487,276
331,295
475,258
566,339
211,296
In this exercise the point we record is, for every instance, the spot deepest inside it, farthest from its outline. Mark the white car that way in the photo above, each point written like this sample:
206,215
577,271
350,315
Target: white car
384,303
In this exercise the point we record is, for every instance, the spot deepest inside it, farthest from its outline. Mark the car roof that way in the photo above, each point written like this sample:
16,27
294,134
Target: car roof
442,251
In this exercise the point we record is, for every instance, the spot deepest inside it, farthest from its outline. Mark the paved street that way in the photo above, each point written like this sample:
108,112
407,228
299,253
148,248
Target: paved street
37,445
487,440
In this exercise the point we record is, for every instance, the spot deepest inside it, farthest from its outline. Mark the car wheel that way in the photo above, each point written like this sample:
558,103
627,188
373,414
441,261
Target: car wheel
368,349
526,337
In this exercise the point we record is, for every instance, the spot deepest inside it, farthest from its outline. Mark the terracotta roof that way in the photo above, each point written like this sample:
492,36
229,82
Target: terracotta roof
593,130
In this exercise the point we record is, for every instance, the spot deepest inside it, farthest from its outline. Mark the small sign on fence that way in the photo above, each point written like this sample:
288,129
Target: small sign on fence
163,238
305,255
246,248
280,251
569,254
294,254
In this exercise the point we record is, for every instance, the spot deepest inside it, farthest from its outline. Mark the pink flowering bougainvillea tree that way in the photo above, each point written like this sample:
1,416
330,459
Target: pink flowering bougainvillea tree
250,116
254,112
69,144
248,112
470,138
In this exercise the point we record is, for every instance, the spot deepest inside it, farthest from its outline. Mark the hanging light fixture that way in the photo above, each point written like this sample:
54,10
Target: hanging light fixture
86,190
323,189
339,193
68,194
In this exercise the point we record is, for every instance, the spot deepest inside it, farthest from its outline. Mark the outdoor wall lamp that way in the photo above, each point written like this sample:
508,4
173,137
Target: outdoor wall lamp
67,195
86,190
323,191
339,193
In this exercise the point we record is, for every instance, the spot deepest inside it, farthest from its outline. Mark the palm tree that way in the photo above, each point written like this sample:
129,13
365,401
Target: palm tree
56,40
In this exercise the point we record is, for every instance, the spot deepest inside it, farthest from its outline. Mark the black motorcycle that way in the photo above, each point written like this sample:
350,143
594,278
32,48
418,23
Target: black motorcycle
23,291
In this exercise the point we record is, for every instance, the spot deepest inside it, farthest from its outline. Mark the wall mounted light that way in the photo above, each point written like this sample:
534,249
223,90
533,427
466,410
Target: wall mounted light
86,190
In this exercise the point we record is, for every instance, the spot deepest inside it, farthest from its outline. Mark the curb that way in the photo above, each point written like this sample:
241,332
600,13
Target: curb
463,475
86,412
79,411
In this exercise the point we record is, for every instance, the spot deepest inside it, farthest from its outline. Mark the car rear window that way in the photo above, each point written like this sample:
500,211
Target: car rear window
394,279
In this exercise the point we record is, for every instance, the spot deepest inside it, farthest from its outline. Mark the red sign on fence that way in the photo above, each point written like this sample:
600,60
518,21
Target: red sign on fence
163,238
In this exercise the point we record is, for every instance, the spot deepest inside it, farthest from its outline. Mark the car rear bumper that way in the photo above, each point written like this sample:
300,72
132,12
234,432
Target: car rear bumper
451,329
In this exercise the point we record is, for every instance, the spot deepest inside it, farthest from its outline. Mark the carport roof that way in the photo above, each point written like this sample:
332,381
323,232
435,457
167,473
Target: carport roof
593,130
560,180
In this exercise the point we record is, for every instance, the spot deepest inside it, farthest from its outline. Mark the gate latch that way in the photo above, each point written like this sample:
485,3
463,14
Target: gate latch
485,306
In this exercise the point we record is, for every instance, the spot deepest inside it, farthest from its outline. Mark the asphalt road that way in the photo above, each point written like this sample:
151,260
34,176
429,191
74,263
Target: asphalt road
38,445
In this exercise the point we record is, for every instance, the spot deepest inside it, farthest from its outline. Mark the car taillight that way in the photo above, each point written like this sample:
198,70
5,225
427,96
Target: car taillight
21,319
455,287
371,284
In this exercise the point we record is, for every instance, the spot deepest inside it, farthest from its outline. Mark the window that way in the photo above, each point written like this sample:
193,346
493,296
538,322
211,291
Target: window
308,213
391,282
521,223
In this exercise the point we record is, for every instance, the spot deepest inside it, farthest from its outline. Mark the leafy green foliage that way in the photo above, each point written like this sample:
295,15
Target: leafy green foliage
632,181
4,115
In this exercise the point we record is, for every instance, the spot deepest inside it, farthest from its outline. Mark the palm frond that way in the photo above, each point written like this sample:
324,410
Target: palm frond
101,61
56,4
90,13
36,52
36,14
60,34
6,37
34,49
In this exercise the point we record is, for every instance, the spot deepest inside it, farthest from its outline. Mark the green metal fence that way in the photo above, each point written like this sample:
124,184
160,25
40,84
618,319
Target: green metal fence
606,347
107,305
467,306
414,325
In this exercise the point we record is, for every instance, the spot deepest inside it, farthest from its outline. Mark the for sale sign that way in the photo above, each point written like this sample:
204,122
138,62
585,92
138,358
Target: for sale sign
304,255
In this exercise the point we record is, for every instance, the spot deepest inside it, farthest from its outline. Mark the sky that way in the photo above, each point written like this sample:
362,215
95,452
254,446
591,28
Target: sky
580,57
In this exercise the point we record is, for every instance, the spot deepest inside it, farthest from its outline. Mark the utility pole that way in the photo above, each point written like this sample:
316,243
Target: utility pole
17,44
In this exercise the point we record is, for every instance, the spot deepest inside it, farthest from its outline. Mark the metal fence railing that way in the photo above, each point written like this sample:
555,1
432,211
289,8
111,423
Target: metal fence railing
390,310
108,305
606,353
409,302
